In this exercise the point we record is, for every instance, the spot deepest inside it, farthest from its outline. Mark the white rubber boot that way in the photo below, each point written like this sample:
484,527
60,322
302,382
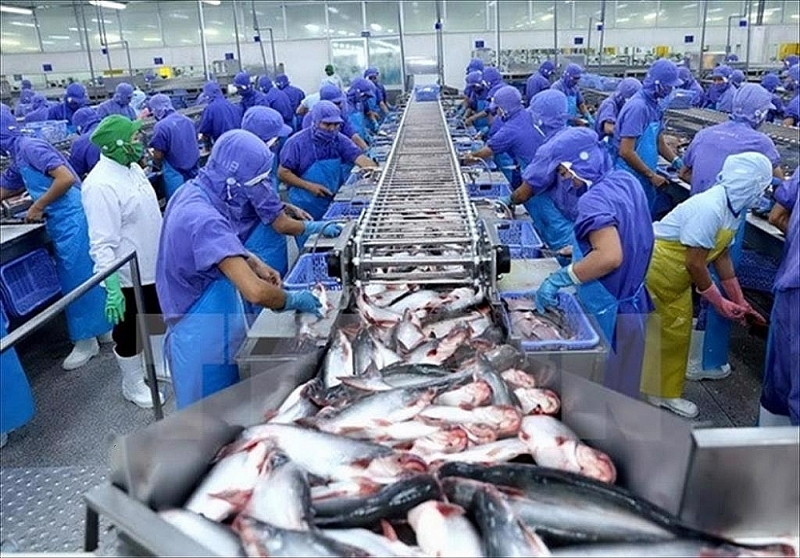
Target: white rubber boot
82,352
159,359
133,387
681,407
105,339
694,367
767,419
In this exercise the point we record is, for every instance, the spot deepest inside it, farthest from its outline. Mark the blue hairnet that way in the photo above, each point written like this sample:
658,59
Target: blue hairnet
38,101
572,71
123,93
770,82
794,72
731,58
160,105
549,110
751,103
242,80
212,90
26,95
661,77
26,84
737,77
371,72
579,150
9,130
745,176
361,87
84,118
474,77
722,71
325,111
547,68
685,75
138,100
475,64
492,75
264,83
791,60
75,91
331,93
627,88
281,81
508,98
239,155
265,122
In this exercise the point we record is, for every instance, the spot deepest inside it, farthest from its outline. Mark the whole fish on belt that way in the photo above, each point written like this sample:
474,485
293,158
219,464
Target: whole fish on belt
383,355
538,401
502,531
362,352
406,431
398,376
478,320
297,405
372,543
421,303
501,393
236,472
338,360
505,421
498,451
436,352
443,529
462,298
518,378
335,397
444,441
216,537
391,502
669,549
382,296
469,396
307,321
552,444
263,539
379,317
408,333
329,456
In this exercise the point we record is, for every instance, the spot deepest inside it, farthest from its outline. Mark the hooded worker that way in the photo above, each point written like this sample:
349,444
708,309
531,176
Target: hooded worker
609,109
539,80
690,84
74,98
720,93
381,100
25,103
250,95
475,65
698,232
791,113
637,134
84,155
39,109
174,144
358,97
333,94
120,103
770,82
737,78
332,77
477,102
204,269
220,115
294,93
494,80
568,85
42,170
611,253
276,99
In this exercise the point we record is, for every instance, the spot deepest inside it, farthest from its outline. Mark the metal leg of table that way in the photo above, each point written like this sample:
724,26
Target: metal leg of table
92,533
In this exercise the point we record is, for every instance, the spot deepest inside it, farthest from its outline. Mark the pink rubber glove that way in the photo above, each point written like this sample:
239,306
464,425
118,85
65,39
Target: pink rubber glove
733,289
725,308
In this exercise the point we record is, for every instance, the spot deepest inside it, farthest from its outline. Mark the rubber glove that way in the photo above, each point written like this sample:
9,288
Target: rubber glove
677,163
507,201
590,119
775,182
303,301
115,300
733,289
724,307
547,295
326,228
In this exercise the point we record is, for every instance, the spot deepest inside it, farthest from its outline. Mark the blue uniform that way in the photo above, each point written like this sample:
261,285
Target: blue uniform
346,128
725,100
515,137
111,106
252,98
537,82
40,109
792,110
219,116
175,136
295,94
63,111
573,93
697,89
278,100
84,155
608,111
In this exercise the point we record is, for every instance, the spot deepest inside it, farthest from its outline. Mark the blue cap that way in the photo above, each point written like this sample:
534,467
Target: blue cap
475,64
242,79
770,82
26,84
507,98
547,68
77,92
84,118
264,83
492,75
281,81
663,72
737,77
751,103
160,105
331,93
573,70
722,71
327,112
265,122
369,72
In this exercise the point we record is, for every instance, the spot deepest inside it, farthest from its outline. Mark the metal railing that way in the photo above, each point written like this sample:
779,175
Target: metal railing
57,307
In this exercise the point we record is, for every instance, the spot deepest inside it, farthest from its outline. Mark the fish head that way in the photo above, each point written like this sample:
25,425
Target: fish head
479,433
595,464
478,392
537,401
452,440
518,378
506,419
396,465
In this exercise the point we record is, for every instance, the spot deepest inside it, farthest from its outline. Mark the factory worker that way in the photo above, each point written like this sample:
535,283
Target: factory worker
123,215
139,102
477,102
220,115
539,191
295,94
609,109
770,82
310,162
358,96
268,125
332,77
539,80
276,99
373,75
25,84
174,144
84,155
74,98
568,84
312,99
720,93
475,65
638,138
333,94
690,84
791,60
25,103
611,253
250,95
791,112
494,80
780,396
120,103
39,109
204,270
737,78
516,137
696,233
54,186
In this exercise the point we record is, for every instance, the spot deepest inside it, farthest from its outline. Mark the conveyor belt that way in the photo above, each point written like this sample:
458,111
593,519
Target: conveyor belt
420,226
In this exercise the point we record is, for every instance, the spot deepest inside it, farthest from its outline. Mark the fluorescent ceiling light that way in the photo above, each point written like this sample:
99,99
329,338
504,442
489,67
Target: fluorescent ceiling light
375,27
650,16
333,10
179,16
48,42
623,19
715,10
151,40
108,4
59,37
212,2
211,31
546,17
688,6
15,10
341,32
23,24
313,27
9,42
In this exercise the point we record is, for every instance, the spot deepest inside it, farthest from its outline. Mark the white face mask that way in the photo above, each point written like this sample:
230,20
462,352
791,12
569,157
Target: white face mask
258,179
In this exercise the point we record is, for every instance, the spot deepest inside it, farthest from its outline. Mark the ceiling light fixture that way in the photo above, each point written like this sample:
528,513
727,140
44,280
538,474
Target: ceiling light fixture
212,2
15,10
108,4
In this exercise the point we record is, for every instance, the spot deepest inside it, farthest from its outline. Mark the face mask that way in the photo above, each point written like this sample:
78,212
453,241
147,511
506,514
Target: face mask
325,136
664,102
125,153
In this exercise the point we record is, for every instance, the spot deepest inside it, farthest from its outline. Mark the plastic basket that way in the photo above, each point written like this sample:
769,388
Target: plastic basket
28,282
3,317
521,239
480,190
585,337
682,99
309,270
427,93
756,272
52,131
344,210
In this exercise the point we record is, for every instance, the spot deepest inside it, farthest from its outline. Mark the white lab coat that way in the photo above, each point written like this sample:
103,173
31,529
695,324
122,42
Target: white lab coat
123,215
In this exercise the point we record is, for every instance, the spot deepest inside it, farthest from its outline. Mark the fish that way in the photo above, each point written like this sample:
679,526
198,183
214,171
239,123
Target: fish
379,317
502,531
441,328
443,529
296,406
329,456
308,321
408,333
680,547
530,326
468,396
382,296
372,543
498,451
263,539
282,495
447,440
407,431
362,352
462,298
220,539
504,357
505,421
390,502
501,393
518,378
479,434
236,472
336,396
338,360
538,401
436,352
383,355
552,444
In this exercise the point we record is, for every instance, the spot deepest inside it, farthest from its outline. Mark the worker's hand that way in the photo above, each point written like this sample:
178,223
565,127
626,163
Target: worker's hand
677,163
297,213
469,120
547,295
326,228
468,159
657,180
506,201
115,300
35,214
319,190
724,307
264,271
733,289
303,301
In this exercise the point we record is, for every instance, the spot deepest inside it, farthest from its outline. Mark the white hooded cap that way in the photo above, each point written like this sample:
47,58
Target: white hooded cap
745,176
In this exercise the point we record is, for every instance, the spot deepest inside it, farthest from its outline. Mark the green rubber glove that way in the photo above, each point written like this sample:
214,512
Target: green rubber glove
115,300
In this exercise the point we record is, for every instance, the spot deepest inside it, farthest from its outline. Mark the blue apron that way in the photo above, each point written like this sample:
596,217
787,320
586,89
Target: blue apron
16,399
718,330
482,124
68,230
174,178
327,173
647,150
572,105
550,224
276,182
625,332
360,123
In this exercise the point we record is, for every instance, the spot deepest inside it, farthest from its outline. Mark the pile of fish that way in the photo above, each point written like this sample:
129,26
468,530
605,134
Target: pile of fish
526,322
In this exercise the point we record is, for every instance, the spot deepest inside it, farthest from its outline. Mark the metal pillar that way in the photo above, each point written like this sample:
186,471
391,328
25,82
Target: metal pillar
497,29
703,39
602,31
236,31
402,46
728,36
555,32
749,11
439,43
82,21
206,72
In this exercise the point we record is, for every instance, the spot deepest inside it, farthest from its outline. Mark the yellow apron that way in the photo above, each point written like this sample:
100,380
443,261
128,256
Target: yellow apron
669,328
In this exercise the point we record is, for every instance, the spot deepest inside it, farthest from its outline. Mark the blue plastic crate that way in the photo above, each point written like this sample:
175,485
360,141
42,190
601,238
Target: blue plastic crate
480,190
52,131
682,99
427,93
344,210
28,282
521,239
585,337
756,272
3,317
309,270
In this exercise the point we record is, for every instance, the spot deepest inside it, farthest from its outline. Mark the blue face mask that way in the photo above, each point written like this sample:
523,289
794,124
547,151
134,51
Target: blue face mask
664,102
325,136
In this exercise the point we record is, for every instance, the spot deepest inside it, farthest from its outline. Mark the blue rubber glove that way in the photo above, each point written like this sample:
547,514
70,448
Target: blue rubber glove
589,119
677,163
547,295
506,200
776,181
303,301
326,228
